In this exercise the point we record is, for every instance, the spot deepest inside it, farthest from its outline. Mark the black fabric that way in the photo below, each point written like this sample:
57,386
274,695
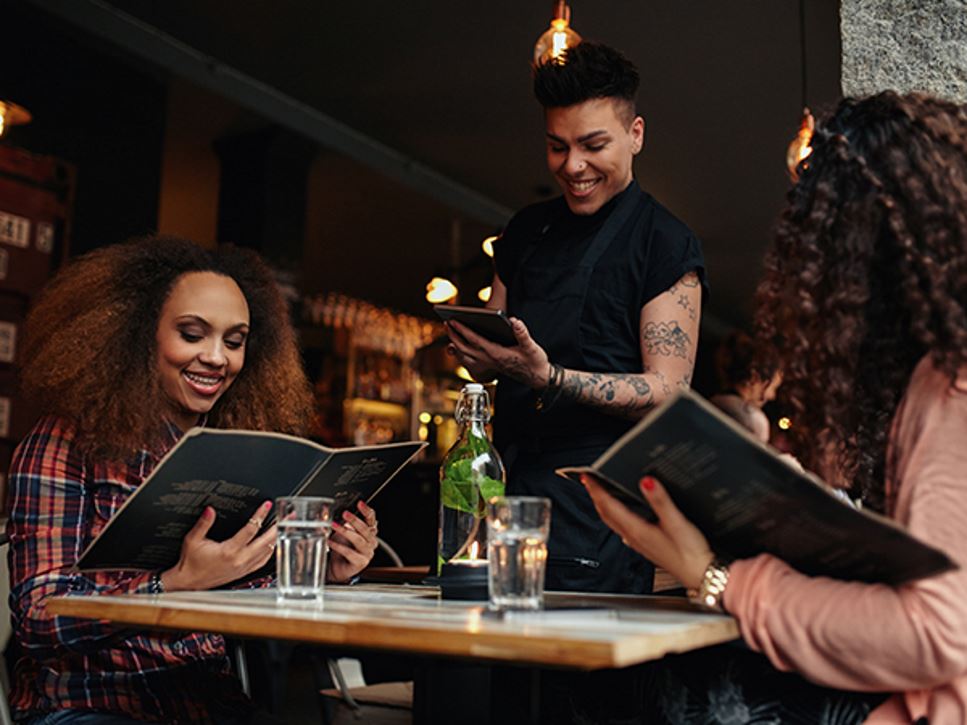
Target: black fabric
579,283
583,553
650,252
723,685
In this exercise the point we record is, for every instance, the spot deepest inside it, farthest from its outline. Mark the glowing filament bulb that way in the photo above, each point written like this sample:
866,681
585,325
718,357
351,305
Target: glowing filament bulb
555,41
801,147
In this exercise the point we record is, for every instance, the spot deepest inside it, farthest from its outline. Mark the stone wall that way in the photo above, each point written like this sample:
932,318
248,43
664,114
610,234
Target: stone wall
904,45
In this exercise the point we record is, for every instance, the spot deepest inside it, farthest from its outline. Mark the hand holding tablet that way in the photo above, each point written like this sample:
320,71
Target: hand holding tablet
492,324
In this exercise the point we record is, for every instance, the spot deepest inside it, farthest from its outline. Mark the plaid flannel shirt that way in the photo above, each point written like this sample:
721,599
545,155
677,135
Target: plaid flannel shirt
58,502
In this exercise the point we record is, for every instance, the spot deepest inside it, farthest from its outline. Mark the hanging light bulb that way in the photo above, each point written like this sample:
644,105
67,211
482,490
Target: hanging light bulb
440,290
488,245
800,147
484,294
12,115
555,41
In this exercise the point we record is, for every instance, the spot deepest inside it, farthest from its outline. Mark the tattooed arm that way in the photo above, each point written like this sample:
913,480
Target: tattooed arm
669,337
669,333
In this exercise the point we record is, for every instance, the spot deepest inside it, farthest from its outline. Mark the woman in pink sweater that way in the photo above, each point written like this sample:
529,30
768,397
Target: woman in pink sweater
867,288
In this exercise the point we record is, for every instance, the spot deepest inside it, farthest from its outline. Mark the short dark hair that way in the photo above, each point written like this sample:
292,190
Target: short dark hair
587,71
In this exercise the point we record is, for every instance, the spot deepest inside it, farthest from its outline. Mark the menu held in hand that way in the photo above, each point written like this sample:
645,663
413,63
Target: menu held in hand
748,501
233,471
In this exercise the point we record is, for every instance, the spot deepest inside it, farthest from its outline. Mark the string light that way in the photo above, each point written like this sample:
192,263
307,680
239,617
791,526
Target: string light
785,423
484,294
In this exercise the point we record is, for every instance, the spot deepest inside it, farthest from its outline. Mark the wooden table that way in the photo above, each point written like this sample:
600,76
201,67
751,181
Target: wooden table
576,631
579,631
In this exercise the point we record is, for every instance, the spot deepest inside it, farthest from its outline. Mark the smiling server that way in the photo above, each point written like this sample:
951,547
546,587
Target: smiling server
609,286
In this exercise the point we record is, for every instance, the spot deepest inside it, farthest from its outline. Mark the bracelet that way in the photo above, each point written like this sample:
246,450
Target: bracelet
712,587
155,585
552,391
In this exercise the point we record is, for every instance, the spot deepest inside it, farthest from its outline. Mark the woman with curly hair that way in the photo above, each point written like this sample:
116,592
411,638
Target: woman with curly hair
747,381
128,347
867,287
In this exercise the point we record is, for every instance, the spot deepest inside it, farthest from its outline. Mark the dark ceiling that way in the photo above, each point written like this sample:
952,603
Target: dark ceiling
446,82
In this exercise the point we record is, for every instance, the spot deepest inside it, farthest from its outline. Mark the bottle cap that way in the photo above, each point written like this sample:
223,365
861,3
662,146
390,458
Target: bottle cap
473,388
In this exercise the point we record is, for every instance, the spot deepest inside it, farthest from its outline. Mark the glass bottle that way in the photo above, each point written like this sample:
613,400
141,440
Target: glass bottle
470,475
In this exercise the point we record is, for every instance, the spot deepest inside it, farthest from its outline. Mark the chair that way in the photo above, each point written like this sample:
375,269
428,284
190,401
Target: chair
385,703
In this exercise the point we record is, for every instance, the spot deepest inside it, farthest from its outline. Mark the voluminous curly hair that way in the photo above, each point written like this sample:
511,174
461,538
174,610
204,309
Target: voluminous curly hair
739,360
587,71
868,273
90,350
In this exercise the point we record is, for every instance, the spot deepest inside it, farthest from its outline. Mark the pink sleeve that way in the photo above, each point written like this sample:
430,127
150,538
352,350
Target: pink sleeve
875,637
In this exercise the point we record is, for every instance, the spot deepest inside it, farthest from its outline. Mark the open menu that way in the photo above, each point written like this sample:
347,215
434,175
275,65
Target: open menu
747,500
233,471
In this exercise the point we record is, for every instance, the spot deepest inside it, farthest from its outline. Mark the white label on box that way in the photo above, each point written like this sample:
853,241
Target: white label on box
4,258
14,229
8,342
4,417
45,237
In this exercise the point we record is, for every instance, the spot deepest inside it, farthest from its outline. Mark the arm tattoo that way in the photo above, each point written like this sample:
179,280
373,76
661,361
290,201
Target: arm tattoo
667,339
623,394
686,303
689,280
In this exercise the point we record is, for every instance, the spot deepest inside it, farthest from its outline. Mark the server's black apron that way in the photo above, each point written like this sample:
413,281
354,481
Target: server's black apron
583,553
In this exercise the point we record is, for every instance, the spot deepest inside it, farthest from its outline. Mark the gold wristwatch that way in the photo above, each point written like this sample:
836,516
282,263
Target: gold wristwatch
712,587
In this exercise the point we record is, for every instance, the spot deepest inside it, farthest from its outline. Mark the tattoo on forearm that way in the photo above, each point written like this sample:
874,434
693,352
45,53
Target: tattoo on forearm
623,394
666,339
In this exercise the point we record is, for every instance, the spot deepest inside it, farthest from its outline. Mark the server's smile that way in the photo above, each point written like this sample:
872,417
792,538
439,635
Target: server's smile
590,149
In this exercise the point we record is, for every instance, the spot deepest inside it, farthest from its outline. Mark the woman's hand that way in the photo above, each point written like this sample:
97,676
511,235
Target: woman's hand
206,564
525,362
352,543
673,543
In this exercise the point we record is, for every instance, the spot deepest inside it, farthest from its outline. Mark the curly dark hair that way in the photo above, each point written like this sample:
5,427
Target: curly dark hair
739,359
90,350
868,274
587,71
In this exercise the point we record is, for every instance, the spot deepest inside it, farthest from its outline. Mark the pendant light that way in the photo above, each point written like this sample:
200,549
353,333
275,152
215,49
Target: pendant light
555,41
12,115
800,147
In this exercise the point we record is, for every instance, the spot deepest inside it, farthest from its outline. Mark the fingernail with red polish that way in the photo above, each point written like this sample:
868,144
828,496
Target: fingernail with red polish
208,513
648,483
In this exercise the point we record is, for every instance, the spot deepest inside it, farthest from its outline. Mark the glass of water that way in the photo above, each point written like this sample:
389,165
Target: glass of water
517,528
304,524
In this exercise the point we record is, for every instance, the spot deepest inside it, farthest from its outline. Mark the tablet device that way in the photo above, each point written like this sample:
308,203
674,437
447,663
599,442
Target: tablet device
492,324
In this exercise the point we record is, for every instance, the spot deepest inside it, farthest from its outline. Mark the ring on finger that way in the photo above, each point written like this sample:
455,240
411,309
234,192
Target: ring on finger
255,522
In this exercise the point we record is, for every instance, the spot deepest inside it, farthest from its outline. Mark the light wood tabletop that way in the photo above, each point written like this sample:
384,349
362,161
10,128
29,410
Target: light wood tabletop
579,631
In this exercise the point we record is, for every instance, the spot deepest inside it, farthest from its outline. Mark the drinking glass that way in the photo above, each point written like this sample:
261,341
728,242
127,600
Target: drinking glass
304,524
517,528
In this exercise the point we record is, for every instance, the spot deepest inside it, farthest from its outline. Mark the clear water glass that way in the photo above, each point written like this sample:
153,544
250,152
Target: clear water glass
304,524
517,529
